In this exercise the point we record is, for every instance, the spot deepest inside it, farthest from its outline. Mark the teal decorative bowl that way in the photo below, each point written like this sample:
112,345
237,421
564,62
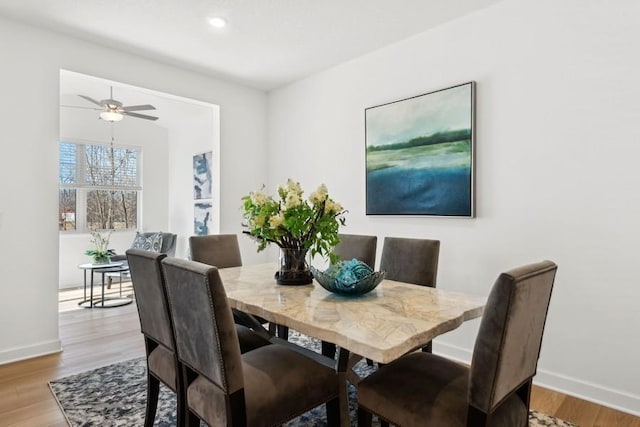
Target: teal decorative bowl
334,284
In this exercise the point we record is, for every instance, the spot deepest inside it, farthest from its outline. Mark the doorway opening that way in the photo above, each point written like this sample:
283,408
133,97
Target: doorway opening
160,196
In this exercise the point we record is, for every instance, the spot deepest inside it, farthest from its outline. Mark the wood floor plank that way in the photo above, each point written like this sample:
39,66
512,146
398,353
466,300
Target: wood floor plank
578,411
608,417
545,400
44,413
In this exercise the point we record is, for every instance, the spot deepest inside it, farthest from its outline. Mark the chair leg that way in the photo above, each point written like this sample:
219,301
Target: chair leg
283,332
476,417
186,377
365,418
333,412
328,349
182,409
524,392
192,419
153,389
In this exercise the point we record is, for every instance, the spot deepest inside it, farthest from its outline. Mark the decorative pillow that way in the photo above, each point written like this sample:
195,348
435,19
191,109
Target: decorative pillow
152,243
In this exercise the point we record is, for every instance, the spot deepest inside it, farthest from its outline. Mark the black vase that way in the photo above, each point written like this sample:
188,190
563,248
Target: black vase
294,269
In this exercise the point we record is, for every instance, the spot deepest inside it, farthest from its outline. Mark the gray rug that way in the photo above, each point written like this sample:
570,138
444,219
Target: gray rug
115,395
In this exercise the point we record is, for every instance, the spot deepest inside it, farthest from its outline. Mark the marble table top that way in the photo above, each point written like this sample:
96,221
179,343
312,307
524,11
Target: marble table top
392,320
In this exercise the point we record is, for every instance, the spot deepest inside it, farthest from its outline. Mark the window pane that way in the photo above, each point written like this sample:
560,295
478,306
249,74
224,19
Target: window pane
112,209
67,210
111,166
100,180
67,169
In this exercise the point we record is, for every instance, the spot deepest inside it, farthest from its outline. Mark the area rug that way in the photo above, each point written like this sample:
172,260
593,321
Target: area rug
115,395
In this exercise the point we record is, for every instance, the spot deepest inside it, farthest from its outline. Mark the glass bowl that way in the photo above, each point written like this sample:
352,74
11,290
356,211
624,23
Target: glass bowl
360,287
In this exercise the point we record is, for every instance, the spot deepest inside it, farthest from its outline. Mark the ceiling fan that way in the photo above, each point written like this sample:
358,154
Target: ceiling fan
114,111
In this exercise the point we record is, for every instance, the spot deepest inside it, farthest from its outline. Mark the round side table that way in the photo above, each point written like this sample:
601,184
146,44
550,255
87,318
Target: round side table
102,301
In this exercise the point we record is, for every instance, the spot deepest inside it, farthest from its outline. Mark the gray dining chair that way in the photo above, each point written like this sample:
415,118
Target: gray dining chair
220,250
223,251
411,261
424,389
264,387
155,323
357,246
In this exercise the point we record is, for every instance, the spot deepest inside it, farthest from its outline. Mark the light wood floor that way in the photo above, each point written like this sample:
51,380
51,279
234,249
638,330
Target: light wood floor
98,337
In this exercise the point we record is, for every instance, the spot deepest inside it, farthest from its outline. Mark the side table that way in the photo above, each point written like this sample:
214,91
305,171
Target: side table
102,302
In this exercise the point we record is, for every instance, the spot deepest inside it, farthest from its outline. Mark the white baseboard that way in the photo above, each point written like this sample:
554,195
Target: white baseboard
605,396
452,352
28,352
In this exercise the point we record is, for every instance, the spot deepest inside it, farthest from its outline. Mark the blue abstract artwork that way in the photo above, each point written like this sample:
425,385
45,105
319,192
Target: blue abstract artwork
202,217
202,183
419,154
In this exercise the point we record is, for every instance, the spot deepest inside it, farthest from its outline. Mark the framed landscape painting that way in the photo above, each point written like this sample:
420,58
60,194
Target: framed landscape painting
419,154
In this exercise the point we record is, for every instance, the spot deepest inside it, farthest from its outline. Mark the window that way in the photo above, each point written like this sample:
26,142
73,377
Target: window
99,187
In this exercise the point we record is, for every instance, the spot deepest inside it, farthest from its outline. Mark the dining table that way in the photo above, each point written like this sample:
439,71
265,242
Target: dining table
382,325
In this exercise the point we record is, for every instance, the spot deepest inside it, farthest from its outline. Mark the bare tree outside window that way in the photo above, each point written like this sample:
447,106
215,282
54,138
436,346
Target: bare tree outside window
107,179
67,209
67,196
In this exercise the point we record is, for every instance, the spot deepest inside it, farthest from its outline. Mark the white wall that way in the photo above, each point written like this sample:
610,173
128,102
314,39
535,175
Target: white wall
187,139
79,125
29,84
235,166
556,167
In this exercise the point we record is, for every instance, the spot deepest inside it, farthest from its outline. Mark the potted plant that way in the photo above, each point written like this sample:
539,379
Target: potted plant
297,226
101,252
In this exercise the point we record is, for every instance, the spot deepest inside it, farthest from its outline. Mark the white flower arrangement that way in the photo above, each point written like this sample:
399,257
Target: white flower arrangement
291,222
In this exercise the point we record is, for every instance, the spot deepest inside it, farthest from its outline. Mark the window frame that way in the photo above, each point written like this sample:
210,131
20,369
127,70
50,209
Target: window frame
82,189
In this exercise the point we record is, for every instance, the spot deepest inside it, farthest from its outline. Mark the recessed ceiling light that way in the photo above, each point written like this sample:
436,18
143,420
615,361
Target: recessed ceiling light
217,22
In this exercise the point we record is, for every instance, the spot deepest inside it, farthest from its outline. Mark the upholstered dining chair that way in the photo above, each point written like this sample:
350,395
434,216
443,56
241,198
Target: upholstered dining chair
411,261
264,387
219,250
155,323
223,251
422,389
360,247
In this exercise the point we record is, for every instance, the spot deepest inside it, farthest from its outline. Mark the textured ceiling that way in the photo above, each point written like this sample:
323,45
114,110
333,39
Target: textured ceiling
267,44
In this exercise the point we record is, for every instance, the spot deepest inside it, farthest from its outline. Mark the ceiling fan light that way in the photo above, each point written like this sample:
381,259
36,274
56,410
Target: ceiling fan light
217,22
111,116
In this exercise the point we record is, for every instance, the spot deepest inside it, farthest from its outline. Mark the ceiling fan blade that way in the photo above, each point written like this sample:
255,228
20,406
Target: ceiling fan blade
140,116
139,107
90,100
82,108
